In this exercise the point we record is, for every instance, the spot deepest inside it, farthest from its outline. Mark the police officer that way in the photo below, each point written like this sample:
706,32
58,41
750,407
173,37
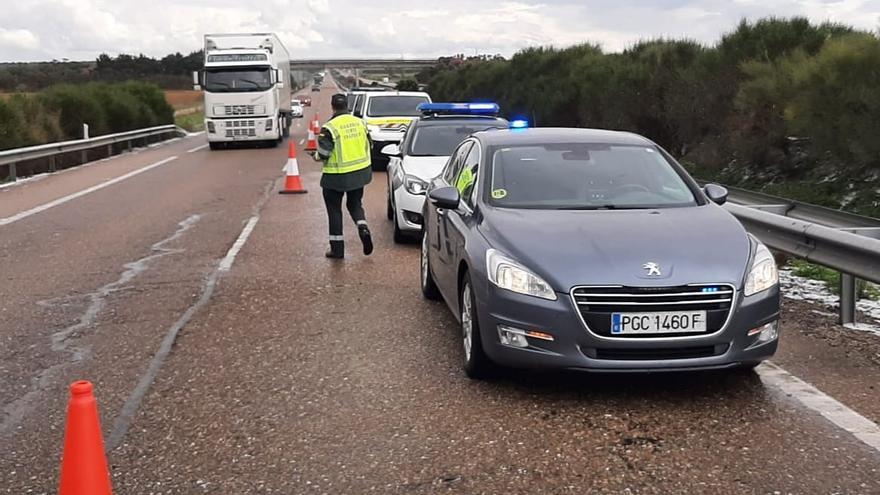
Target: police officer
344,147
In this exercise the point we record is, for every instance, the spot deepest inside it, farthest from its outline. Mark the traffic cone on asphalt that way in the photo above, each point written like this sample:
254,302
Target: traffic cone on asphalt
292,182
83,464
312,143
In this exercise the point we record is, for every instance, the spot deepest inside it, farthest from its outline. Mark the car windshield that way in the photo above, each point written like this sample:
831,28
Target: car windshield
395,106
237,80
585,176
440,140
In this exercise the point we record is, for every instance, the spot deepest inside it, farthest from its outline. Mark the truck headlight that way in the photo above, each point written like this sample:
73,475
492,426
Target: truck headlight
414,185
510,275
763,273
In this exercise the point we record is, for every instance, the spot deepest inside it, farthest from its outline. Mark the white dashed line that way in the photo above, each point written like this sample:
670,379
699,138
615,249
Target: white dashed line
197,148
229,259
843,417
79,194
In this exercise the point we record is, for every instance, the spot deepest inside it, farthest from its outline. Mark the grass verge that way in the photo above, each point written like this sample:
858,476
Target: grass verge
831,278
192,122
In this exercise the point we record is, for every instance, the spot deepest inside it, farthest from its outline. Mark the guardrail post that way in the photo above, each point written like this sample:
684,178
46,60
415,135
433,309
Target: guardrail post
109,150
52,165
13,176
84,155
129,145
847,298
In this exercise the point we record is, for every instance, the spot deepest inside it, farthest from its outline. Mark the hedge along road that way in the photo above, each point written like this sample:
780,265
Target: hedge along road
303,375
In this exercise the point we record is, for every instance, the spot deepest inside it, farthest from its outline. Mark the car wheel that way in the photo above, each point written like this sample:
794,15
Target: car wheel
429,288
390,209
476,363
399,236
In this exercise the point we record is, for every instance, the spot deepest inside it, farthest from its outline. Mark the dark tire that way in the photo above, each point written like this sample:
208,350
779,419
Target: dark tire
747,367
476,364
216,146
429,287
390,209
400,236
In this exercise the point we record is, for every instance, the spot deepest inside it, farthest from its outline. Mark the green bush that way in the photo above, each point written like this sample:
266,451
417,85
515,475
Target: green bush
76,104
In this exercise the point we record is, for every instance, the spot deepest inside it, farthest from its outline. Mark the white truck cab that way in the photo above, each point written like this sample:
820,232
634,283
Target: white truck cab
246,80
387,115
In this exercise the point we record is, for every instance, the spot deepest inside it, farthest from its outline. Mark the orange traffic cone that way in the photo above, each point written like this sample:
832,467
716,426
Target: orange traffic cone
83,464
292,182
312,143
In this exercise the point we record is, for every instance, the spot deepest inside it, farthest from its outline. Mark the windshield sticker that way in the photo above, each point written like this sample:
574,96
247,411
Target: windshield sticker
499,193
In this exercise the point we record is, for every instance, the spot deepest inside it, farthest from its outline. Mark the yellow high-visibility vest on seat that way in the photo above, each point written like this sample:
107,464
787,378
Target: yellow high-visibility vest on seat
351,145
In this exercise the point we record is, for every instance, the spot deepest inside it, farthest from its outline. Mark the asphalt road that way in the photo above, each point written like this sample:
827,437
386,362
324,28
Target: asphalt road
295,374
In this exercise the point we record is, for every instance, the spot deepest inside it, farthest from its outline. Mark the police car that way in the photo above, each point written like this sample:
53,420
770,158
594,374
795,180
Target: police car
388,114
424,151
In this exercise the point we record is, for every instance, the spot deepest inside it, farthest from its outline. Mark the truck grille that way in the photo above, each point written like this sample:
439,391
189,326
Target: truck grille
596,304
238,128
233,110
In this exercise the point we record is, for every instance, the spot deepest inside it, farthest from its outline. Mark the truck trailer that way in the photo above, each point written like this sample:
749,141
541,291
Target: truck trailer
247,87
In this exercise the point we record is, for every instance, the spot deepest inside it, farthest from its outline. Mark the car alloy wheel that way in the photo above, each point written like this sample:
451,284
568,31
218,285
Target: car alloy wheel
429,288
467,322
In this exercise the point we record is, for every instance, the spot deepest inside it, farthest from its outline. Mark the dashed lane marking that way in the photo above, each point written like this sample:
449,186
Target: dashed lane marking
843,417
197,148
229,259
79,194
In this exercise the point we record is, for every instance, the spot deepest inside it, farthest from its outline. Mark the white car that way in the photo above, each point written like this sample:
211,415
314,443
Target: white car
296,109
388,114
421,156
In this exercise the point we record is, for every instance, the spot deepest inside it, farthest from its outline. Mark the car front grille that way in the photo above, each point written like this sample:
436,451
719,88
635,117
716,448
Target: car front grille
596,305
654,354
238,128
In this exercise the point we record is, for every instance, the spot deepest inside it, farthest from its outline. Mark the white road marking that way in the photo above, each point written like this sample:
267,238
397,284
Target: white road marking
229,259
843,417
301,141
79,194
197,148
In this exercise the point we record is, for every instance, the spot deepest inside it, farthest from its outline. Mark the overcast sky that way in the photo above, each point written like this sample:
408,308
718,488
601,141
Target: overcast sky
82,29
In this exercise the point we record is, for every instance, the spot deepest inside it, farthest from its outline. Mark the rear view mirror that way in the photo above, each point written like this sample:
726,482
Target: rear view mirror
391,150
445,197
717,194
196,82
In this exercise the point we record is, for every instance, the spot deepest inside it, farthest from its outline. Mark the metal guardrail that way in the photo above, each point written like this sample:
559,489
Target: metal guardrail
9,158
836,239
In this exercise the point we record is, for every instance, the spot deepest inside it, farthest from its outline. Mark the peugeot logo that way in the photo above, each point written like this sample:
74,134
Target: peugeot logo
652,268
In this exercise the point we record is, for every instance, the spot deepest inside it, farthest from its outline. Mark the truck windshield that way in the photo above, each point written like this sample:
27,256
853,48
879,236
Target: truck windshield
237,80
395,106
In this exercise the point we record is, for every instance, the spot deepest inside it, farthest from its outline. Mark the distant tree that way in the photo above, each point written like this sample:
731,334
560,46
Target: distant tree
407,85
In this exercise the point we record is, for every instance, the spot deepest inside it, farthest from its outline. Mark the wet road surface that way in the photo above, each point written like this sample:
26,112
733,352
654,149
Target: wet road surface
297,374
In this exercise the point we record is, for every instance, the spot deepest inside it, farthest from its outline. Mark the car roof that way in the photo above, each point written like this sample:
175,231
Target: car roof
546,135
396,93
439,120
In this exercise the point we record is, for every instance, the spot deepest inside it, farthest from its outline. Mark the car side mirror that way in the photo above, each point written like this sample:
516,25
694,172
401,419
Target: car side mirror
391,150
358,114
717,194
445,197
196,81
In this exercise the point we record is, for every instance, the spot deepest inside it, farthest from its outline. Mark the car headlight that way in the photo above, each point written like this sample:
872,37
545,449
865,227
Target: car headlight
373,128
763,274
414,185
510,275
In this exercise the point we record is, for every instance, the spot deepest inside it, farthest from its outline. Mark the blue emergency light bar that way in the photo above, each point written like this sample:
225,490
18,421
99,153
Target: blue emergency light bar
459,108
519,124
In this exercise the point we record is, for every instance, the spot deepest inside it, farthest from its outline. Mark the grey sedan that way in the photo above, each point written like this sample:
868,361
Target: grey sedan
593,250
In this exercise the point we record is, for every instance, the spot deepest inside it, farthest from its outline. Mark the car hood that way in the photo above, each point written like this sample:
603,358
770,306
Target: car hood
701,244
424,167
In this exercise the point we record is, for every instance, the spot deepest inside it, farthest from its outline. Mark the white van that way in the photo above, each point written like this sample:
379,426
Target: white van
387,114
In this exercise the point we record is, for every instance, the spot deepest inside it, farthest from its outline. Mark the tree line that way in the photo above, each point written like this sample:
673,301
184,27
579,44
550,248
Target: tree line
58,112
782,105
174,71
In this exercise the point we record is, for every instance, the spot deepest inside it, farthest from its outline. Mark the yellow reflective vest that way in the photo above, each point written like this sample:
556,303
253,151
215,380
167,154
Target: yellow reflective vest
351,145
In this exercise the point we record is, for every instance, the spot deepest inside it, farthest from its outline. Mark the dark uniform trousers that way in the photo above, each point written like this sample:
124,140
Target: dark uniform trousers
353,202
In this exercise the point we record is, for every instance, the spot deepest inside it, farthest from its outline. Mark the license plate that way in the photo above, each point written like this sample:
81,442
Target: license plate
664,322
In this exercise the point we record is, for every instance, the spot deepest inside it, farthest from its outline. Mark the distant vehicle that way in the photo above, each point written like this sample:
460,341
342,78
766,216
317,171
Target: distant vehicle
593,250
316,87
305,100
387,115
296,109
427,145
247,89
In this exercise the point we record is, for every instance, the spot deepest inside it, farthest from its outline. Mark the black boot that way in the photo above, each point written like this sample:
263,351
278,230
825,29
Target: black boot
337,250
366,238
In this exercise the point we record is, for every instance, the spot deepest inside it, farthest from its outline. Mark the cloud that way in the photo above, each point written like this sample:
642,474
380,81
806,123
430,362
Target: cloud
18,39
82,29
